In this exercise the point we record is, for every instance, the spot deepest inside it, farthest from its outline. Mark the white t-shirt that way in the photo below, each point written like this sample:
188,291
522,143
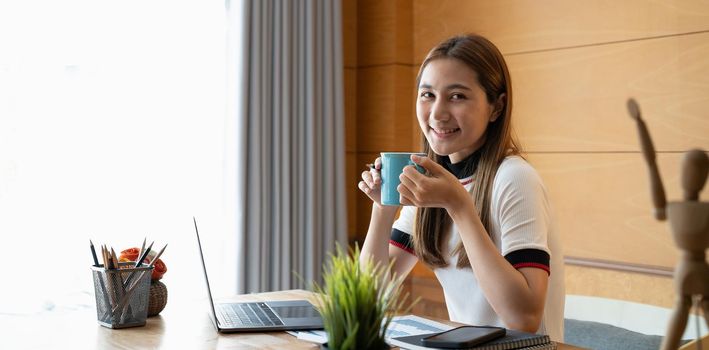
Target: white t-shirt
522,218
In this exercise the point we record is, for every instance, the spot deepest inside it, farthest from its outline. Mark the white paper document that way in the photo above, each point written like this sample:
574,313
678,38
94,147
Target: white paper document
400,326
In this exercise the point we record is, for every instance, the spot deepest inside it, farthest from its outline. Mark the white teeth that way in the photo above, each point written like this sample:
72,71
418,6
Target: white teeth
447,131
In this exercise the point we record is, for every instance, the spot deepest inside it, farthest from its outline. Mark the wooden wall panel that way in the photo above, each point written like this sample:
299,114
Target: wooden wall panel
352,193
384,32
635,287
521,26
384,92
575,100
603,205
349,33
573,66
385,108
416,135
432,303
350,109
404,44
363,203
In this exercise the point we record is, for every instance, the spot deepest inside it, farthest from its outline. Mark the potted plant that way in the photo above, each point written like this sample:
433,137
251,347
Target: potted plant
358,301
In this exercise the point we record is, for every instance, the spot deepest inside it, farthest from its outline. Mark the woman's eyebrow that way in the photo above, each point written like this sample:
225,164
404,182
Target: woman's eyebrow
449,87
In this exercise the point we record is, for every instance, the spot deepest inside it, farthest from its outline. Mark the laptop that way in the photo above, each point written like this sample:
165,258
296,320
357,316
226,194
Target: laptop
259,316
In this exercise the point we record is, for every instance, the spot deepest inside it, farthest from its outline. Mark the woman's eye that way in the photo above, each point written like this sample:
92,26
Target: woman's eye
457,97
426,94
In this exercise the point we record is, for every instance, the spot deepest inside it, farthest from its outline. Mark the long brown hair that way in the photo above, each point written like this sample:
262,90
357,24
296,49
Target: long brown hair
432,224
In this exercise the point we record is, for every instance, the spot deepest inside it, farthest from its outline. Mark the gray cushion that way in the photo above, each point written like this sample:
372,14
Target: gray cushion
601,336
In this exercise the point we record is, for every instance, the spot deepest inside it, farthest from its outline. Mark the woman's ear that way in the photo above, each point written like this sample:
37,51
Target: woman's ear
498,107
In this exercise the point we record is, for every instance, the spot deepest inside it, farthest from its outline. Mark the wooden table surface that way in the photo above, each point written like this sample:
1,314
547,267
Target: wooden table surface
184,327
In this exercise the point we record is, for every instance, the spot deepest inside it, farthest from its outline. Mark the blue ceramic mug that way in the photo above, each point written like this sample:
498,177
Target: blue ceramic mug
393,164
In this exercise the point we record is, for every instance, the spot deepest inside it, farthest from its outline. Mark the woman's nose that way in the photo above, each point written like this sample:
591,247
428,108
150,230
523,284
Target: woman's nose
439,111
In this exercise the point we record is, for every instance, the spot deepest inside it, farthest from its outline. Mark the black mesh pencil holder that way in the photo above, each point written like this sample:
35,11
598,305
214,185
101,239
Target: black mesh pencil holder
122,295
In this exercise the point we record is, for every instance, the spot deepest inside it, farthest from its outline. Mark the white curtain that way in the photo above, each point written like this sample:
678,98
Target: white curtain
290,152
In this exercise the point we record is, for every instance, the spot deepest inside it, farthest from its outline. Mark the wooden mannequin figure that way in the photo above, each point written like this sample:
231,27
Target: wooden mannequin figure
689,223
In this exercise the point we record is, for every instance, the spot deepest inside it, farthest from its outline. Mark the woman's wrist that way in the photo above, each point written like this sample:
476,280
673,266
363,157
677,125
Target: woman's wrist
461,207
384,212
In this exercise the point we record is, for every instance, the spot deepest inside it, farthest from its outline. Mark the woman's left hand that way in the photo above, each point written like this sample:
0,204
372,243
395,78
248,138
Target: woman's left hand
439,190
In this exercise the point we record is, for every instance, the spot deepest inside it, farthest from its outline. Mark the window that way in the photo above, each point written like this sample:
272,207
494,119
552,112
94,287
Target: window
112,127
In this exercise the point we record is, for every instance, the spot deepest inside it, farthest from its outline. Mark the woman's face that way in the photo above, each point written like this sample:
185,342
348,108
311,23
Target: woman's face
452,109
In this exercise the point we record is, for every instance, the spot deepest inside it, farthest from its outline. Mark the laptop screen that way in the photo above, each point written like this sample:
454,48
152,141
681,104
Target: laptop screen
206,279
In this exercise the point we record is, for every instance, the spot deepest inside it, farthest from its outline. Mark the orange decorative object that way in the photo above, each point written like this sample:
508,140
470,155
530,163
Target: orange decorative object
158,270
131,254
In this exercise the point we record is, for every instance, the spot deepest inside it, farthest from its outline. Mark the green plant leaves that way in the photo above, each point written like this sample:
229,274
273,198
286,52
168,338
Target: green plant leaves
358,301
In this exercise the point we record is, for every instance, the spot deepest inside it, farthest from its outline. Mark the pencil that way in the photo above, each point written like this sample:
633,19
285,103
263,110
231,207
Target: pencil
117,277
145,254
152,262
134,285
138,264
93,253
112,255
104,256
140,252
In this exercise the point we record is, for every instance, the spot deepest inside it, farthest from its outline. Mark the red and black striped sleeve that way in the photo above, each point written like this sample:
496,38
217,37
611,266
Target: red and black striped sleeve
402,240
529,258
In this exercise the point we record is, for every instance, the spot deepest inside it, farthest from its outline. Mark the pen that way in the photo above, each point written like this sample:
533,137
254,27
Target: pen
93,253
145,254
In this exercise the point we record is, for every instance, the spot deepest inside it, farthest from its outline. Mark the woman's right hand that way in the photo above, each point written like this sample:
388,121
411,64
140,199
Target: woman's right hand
371,183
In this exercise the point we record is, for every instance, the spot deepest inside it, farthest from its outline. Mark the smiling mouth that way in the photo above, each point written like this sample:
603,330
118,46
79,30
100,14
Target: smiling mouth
444,132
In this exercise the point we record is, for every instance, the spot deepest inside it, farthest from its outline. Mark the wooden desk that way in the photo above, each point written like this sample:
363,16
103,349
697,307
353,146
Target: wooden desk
177,327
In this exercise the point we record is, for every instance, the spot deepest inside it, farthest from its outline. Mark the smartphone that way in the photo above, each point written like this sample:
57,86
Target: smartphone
462,337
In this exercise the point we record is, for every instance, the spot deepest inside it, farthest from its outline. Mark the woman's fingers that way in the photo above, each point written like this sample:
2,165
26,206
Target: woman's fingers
367,178
407,181
406,197
376,175
371,181
363,187
370,184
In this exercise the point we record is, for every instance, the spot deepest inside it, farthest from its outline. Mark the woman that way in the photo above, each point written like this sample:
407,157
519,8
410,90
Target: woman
479,217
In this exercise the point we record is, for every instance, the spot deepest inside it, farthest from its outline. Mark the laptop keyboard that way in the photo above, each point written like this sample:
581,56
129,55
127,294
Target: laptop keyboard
248,314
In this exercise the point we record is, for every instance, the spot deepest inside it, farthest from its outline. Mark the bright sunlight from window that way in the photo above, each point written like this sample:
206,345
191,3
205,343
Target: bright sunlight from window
112,128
